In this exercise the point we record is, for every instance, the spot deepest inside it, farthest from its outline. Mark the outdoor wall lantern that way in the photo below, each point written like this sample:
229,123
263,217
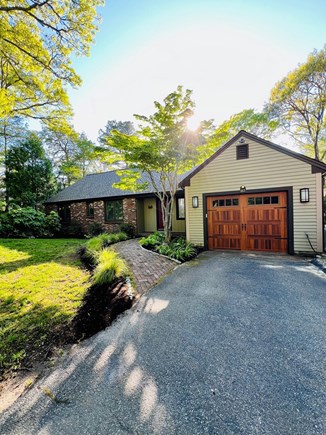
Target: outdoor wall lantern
243,189
195,201
304,195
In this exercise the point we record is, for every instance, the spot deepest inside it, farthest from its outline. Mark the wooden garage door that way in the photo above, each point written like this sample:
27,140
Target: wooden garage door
250,222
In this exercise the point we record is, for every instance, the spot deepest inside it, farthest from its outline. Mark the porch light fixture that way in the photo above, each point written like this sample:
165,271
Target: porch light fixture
243,189
304,195
195,201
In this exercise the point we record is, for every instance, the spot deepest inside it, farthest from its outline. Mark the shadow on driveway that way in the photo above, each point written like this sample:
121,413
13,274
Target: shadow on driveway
225,344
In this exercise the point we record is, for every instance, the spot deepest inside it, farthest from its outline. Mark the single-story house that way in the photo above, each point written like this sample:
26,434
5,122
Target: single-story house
250,195
94,199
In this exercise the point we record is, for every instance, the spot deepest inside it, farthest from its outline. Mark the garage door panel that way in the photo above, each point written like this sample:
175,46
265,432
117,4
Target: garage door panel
264,244
264,230
224,243
223,214
225,229
248,222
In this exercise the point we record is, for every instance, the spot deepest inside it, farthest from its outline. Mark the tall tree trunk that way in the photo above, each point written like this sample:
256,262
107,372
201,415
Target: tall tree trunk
167,210
6,168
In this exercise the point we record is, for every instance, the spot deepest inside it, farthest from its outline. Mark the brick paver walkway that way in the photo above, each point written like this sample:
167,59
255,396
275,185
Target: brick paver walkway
147,267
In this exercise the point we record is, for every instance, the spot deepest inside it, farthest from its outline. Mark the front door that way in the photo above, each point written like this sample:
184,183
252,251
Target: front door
249,222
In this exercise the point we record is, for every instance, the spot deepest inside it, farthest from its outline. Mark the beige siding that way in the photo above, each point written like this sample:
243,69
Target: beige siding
150,220
178,225
265,168
150,215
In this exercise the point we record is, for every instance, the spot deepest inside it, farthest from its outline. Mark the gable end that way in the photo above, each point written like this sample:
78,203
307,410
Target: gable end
316,166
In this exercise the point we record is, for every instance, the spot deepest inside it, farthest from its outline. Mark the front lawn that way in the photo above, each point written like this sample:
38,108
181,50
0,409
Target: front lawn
41,288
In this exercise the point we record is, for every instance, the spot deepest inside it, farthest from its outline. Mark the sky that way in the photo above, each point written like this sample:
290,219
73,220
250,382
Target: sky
230,53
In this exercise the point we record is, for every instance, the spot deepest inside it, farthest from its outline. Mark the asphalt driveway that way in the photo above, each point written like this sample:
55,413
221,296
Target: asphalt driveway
230,344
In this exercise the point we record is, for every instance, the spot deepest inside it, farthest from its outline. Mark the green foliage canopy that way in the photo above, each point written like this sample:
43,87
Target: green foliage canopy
72,155
162,146
125,127
37,41
298,101
29,178
258,123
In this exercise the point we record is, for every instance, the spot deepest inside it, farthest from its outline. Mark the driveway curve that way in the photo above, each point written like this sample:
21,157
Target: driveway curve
226,344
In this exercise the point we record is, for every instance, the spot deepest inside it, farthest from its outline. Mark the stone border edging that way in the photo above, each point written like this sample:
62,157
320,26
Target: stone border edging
160,255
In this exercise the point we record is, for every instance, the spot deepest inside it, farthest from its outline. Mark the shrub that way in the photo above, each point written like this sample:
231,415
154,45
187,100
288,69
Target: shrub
110,266
179,249
95,229
164,250
114,238
28,222
153,240
52,223
5,225
122,237
128,229
182,250
74,229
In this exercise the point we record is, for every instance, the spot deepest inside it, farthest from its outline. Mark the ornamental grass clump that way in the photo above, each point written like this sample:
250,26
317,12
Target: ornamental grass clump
93,247
96,244
110,267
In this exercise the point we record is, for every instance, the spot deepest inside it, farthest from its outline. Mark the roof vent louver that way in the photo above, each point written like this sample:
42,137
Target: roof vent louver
242,152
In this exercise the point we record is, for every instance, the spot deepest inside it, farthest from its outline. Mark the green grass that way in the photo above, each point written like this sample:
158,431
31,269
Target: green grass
41,288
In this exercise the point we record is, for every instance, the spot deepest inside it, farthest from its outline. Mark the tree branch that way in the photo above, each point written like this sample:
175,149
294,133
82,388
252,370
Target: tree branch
22,8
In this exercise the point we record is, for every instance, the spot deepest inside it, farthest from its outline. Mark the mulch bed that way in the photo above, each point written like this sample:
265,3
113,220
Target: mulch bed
102,304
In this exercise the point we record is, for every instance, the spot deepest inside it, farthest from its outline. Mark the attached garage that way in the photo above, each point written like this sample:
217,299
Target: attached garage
253,195
250,222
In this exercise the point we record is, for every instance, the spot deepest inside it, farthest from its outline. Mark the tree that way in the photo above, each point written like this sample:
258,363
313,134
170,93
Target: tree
12,130
72,155
258,123
161,148
85,157
37,41
29,177
298,101
126,127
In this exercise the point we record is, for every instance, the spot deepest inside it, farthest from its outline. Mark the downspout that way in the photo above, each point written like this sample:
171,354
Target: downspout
323,209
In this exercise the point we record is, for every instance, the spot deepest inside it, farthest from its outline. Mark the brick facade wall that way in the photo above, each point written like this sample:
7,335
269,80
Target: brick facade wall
130,211
78,214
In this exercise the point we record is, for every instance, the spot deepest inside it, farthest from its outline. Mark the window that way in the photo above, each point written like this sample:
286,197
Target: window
64,213
242,152
226,202
180,208
259,200
90,210
114,211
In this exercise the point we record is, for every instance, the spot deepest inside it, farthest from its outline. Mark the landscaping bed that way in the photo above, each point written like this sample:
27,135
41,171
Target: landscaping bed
48,299
178,249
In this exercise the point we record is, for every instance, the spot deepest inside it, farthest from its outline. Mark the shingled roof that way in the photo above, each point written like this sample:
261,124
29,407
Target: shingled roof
97,186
